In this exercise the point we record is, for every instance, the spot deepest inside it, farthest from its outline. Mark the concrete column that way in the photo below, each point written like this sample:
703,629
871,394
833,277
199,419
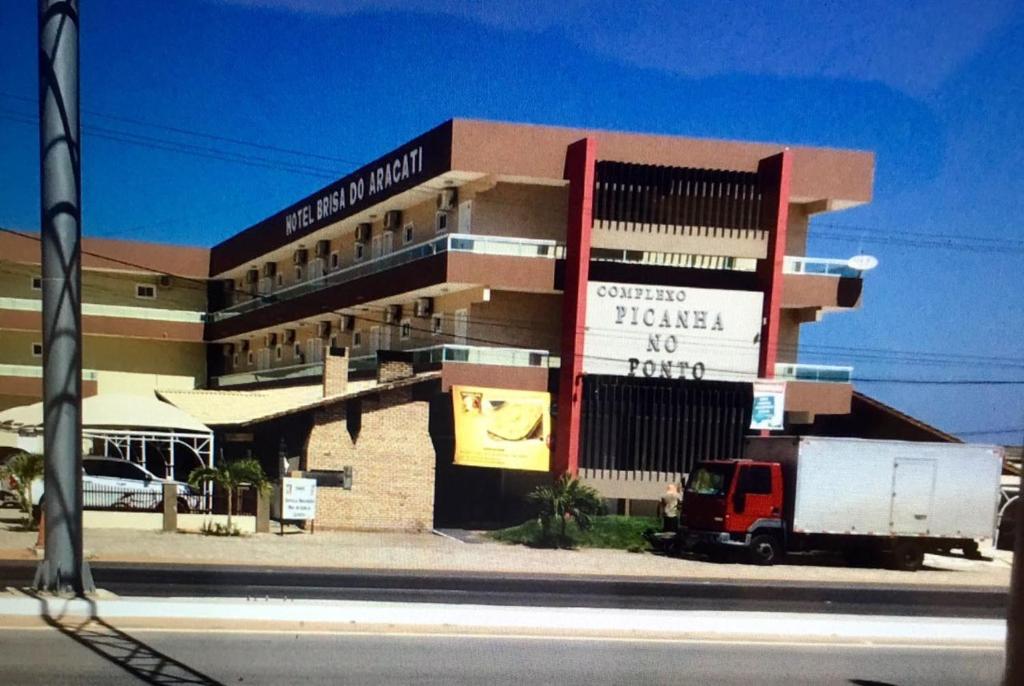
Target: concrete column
773,178
263,512
170,507
580,161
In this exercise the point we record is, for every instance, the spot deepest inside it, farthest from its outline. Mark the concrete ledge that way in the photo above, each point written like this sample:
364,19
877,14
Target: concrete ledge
153,521
655,623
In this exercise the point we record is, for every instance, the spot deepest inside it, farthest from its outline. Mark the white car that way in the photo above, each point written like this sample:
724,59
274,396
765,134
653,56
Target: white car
110,483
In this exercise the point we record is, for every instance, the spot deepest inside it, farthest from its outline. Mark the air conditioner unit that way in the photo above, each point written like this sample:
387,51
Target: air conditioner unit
393,220
271,339
269,268
252,276
229,349
323,248
424,307
446,199
289,336
363,231
323,329
348,322
164,281
300,256
245,346
392,314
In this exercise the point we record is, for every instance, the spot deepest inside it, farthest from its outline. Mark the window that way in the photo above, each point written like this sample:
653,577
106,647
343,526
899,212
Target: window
756,480
334,342
250,358
436,323
441,222
360,251
280,279
278,353
37,283
145,291
408,232
297,352
37,350
335,260
405,331
357,339
234,361
298,274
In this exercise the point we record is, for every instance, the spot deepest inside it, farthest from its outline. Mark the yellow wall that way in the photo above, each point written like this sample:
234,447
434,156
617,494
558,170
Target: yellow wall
109,288
167,358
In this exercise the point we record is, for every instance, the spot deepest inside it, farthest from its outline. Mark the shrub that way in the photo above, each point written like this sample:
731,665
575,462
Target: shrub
566,500
22,469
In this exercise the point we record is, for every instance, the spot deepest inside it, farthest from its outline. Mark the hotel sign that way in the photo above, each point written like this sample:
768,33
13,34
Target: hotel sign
671,332
419,160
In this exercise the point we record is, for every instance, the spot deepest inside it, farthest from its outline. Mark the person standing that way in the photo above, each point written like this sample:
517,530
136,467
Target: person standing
669,508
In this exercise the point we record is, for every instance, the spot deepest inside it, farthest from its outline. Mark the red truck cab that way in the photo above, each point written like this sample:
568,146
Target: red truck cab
735,504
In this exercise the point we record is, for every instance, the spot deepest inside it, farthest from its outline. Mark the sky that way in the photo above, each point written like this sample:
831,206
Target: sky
257,103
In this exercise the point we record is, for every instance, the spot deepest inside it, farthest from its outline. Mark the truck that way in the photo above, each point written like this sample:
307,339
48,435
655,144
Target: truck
871,500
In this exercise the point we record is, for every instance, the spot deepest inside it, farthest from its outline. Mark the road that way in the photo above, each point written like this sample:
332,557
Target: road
101,654
550,591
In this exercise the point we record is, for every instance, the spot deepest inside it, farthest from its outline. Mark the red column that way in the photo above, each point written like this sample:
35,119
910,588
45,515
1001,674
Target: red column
580,158
773,177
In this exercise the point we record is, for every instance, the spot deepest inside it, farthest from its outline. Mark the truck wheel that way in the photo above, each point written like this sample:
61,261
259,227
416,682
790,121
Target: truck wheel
764,549
907,556
970,550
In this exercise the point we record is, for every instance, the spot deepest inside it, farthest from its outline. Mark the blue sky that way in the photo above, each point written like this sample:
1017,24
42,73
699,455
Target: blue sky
934,89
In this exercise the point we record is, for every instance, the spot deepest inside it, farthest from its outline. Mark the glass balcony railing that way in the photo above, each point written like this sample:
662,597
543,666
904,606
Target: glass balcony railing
481,245
813,372
33,372
436,354
99,310
820,266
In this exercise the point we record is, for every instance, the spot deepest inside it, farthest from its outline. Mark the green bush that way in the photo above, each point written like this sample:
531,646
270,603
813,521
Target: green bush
612,531
23,469
567,501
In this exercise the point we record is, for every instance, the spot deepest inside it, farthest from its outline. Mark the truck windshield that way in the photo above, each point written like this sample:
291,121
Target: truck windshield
710,479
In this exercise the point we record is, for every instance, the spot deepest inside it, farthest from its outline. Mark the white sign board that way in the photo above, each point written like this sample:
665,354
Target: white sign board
298,498
769,405
672,332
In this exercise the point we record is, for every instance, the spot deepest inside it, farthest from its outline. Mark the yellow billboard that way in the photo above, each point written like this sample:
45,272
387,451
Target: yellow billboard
503,429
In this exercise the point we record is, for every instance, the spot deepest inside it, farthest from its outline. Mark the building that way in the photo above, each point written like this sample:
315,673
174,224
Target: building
142,317
644,282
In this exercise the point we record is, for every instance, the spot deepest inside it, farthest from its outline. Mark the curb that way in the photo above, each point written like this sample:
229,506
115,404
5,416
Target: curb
664,624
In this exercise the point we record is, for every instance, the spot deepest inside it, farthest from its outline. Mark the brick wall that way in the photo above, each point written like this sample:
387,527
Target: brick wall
335,374
392,459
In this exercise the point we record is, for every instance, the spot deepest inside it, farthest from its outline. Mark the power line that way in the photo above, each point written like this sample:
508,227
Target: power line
198,134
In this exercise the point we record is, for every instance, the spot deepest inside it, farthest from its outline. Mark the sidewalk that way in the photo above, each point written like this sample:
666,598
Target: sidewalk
432,552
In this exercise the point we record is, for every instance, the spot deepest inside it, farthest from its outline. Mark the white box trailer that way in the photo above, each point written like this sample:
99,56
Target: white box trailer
867,487
868,499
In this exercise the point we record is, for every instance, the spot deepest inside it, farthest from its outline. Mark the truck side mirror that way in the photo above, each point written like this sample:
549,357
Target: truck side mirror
739,501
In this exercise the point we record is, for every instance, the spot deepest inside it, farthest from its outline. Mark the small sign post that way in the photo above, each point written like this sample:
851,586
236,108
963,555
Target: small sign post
298,499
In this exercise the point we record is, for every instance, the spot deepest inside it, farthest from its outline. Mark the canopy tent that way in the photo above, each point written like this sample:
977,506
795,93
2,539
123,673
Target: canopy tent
128,426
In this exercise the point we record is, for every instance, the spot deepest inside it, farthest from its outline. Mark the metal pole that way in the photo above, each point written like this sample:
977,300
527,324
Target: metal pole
63,569
1014,670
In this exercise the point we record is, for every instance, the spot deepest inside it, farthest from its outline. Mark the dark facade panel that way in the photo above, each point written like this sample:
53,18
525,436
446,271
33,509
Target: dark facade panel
676,196
661,425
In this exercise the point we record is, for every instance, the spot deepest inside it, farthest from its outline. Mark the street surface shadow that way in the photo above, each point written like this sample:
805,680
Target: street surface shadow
869,682
145,663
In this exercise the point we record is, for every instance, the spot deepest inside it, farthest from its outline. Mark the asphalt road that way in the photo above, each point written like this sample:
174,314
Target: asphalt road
549,591
100,654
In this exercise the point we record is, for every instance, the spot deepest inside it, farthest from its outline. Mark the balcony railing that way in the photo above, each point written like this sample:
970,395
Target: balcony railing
30,371
813,372
481,245
435,354
97,310
820,266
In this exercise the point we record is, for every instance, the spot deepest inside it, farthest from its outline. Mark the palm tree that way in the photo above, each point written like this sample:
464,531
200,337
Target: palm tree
230,476
22,469
567,499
